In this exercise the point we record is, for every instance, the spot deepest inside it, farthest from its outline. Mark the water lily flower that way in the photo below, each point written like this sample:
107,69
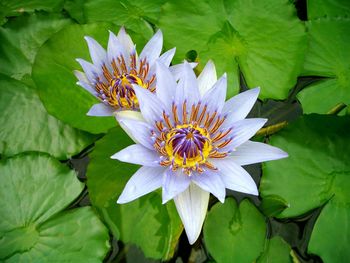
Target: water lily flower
113,72
190,142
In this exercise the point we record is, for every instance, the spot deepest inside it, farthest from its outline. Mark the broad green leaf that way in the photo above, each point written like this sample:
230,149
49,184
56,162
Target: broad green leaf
330,8
273,205
18,7
34,189
234,233
75,10
316,171
21,38
330,237
26,126
328,55
277,251
134,14
264,38
56,83
153,227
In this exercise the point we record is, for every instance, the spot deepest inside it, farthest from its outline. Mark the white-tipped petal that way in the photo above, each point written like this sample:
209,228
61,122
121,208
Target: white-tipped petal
101,110
130,114
137,130
215,97
91,71
210,181
174,183
207,78
144,181
125,40
97,52
187,88
166,57
84,82
151,107
243,130
235,177
192,205
152,49
166,84
176,70
238,107
256,152
115,49
138,154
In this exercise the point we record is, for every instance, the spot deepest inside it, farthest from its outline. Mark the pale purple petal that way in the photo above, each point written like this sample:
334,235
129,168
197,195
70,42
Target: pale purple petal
138,154
174,183
176,70
187,88
238,107
235,177
210,181
151,107
192,205
207,78
152,49
166,57
166,84
97,52
243,130
256,152
91,71
115,49
101,110
84,82
215,97
126,41
144,181
137,130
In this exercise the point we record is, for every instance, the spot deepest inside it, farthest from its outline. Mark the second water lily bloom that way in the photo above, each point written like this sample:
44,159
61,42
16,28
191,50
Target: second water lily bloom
190,142
113,72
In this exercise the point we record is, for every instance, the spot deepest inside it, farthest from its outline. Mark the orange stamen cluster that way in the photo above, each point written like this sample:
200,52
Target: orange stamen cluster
116,90
187,140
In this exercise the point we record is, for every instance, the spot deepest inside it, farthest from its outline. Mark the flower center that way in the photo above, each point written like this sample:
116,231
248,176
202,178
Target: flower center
188,145
116,90
190,137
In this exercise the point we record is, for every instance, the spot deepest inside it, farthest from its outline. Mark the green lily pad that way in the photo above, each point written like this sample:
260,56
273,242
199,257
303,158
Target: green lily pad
135,14
316,171
18,7
21,38
234,233
330,237
277,251
34,190
264,38
56,83
330,8
145,222
26,126
328,55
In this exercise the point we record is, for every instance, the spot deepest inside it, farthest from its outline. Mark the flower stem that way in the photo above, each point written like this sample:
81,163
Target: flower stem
337,108
271,129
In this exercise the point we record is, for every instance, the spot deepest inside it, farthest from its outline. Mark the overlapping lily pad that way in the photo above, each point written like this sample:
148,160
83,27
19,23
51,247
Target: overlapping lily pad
328,55
21,38
264,38
34,190
154,227
56,83
276,251
135,14
26,126
234,233
330,8
18,7
316,171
